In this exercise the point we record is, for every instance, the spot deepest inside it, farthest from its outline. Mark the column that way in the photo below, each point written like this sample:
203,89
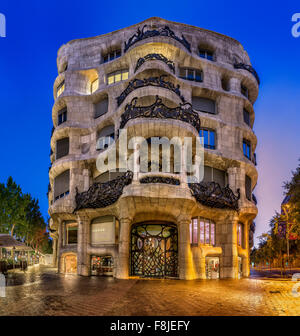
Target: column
246,259
59,244
229,260
122,271
82,242
54,254
185,261
235,85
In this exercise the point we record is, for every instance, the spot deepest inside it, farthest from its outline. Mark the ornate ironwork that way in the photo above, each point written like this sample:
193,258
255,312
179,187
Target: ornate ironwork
213,195
154,250
101,195
141,34
151,81
155,57
183,112
160,179
248,68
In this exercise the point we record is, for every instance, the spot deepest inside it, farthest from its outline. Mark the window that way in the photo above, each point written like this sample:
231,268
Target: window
247,149
101,108
60,89
248,187
240,234
62,116
206,230
215,175
71,233
203,53
225,84
103,230
117,76
244,91
111,56
246,117
191,74
61,185
204,105
62,148
194,231
105,137
109,176
94,85
208,137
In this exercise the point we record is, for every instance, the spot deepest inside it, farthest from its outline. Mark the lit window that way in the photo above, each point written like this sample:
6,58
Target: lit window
247,149
206,229
191,74
94,85
208,137
240,234
203,53
117,76
111,56
60,89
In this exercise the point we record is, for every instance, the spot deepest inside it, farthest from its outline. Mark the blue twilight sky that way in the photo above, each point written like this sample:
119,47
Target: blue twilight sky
36,30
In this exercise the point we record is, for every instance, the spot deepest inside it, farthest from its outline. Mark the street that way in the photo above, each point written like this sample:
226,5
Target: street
41,291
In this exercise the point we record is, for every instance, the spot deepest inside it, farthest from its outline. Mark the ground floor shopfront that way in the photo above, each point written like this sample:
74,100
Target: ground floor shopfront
192,247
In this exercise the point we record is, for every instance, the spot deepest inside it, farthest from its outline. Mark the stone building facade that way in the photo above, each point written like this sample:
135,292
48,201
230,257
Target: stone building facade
154,79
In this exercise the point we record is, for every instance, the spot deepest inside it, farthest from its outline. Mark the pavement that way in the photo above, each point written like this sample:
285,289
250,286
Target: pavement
41,291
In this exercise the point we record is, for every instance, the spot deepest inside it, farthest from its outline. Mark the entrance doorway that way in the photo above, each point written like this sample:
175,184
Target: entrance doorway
212,266
154,250
71,264
240,268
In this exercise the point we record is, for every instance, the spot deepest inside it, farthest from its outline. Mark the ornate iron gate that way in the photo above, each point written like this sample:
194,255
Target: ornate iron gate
154,250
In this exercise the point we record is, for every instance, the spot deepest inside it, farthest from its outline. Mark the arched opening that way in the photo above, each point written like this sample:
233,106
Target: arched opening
154,250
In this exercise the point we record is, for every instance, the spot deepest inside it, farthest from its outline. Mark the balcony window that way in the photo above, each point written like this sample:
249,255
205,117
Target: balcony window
101,108
191,74
60,89
203,53
105,137
71,233
61,185
248,187
62,116
117,76
246,117
208,138
202,230
247,149
204,105
111,56
240,234
244,91
94,85
62,148
215,175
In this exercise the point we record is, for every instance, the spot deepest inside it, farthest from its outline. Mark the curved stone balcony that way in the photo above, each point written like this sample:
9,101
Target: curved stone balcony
213,195
101,195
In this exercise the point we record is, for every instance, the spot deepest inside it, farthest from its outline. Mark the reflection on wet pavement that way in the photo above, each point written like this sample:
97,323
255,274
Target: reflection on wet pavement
41,291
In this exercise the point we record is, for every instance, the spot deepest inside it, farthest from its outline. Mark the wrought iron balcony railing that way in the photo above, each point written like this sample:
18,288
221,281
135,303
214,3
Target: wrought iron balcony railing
155,57
248,68
101,195
184,112
151,81
142,34
213,195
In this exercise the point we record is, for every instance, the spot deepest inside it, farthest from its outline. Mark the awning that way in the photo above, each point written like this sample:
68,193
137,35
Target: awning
8,242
